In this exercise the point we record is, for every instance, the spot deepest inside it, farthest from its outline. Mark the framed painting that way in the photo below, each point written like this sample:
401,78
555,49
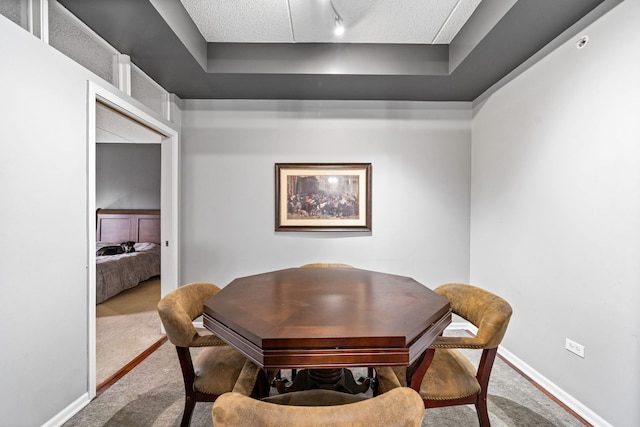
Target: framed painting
323,197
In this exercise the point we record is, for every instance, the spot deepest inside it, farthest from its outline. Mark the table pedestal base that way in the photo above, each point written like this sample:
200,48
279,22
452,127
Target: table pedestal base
331,379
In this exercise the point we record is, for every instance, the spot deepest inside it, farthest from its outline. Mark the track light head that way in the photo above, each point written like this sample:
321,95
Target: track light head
339,27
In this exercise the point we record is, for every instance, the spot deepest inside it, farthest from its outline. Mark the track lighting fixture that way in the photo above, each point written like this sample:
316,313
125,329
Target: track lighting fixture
338,22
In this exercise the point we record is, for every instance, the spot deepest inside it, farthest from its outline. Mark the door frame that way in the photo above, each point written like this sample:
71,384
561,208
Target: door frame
169,200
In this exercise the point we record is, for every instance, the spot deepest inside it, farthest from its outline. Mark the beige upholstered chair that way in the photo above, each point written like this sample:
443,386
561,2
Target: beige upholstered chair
450,378
322,408
326,265
216,368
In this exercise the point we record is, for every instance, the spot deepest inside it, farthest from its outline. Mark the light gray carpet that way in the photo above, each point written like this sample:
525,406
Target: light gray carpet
126,325
152,394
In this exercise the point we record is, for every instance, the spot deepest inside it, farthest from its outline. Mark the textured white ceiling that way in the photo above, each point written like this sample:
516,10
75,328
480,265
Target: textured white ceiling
312,21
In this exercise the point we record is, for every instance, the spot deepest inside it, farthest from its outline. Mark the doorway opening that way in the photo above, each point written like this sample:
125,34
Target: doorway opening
128,160
165,137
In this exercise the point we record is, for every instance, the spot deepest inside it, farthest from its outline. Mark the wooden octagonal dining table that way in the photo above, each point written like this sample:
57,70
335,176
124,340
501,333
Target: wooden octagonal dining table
323,320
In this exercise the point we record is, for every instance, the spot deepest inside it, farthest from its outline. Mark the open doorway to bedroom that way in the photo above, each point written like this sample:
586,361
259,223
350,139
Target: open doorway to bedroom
128,280
132,177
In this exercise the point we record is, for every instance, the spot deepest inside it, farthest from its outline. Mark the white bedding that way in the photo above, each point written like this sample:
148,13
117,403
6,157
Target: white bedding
116,273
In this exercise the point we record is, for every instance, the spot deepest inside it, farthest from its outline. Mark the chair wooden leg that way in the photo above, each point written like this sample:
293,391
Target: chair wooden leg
189,405
186,365
483,412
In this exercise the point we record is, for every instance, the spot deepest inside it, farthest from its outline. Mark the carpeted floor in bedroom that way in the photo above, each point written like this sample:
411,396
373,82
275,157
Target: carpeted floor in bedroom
126,325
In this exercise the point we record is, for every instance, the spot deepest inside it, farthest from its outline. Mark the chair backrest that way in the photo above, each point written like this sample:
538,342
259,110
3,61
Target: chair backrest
180,307
401,406
488,312
326,265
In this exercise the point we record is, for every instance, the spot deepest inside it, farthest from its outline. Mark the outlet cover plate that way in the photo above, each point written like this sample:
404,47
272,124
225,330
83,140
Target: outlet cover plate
574,347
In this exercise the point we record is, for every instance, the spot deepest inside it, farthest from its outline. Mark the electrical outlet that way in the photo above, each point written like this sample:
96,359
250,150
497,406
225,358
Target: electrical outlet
575,348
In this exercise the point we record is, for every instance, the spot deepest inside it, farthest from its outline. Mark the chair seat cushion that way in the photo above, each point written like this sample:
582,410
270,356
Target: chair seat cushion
317,397
450,376
217,369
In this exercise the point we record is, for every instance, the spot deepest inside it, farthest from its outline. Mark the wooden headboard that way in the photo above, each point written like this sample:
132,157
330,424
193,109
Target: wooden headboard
122,225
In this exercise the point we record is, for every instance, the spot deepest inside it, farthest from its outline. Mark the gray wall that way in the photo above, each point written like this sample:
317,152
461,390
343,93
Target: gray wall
43,183
128,176
420,154
556,209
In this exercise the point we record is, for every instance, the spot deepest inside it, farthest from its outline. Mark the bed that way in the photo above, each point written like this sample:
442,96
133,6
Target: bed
116,273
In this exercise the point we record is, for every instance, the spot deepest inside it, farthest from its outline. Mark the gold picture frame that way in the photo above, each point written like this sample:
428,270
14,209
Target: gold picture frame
323,196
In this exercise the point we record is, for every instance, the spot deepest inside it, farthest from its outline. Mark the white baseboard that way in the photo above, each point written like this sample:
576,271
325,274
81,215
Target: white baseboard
557,392
461,326
68,412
